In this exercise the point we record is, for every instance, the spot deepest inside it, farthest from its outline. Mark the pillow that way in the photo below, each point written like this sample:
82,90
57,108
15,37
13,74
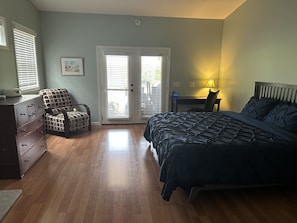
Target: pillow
283,115
258,108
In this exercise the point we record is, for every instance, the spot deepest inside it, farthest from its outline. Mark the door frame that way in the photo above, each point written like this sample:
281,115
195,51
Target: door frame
100,70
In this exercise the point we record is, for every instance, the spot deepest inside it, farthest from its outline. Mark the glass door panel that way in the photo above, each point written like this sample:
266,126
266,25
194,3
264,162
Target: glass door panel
118,106
117,87
151,85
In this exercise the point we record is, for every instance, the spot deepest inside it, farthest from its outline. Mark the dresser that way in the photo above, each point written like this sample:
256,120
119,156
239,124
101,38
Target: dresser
22,134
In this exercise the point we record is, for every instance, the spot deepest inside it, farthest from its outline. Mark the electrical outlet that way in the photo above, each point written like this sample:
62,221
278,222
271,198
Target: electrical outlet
192,84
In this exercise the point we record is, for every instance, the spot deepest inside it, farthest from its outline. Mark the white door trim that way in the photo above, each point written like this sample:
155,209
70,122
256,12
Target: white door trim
100,69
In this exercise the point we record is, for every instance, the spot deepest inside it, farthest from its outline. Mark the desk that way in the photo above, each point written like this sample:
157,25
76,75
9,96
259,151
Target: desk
190,100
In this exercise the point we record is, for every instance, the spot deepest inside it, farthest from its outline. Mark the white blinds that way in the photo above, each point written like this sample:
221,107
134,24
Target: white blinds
25,52
117,72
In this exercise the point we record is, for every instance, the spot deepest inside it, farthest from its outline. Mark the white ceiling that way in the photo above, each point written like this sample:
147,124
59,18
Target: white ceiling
204,9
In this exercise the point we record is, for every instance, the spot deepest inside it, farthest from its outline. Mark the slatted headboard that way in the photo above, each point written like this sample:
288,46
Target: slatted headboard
283,92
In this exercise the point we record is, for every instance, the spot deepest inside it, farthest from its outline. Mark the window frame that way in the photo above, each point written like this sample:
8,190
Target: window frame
3,32
32,64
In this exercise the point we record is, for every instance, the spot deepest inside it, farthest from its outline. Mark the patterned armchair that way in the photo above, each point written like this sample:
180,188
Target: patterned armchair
61,116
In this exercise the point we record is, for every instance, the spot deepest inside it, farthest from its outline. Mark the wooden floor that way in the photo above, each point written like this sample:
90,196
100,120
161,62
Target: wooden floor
111,175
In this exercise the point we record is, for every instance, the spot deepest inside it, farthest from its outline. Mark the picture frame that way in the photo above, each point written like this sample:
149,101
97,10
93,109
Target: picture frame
72,66
3,34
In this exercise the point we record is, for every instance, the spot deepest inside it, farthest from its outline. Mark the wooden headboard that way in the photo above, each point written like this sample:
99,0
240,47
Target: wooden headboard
283,92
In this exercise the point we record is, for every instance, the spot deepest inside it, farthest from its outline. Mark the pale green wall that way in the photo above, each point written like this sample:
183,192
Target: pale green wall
259,44
24,13
195,48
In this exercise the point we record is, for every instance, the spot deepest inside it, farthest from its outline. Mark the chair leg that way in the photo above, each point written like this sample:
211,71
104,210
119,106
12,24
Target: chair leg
67,134
90,127
66,124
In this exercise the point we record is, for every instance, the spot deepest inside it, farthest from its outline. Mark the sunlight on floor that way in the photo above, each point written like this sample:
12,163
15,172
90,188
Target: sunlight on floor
118,140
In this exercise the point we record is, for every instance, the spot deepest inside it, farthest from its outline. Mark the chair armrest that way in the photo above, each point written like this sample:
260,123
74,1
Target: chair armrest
84,106
66,123
87,109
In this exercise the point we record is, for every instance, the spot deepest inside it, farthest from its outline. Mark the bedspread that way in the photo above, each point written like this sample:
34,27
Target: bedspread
209,148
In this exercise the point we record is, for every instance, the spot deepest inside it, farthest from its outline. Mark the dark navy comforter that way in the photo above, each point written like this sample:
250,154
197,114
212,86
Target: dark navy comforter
220,148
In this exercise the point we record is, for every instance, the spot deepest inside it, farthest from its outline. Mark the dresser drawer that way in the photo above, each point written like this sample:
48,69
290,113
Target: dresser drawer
26,140
30,127
29,158
21,113
39,106
28,111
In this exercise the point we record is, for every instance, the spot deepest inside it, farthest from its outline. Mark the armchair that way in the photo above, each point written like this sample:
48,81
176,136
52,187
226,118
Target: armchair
61,116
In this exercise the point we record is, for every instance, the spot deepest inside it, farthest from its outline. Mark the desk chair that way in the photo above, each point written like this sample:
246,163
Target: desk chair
209,103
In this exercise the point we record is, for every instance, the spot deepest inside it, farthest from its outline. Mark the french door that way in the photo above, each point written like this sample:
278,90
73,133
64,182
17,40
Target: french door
133,83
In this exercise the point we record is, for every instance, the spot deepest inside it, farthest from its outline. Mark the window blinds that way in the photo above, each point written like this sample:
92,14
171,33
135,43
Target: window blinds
25,52
117,72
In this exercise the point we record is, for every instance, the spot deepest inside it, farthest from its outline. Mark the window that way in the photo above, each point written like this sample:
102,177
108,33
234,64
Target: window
117,72
3,37
25,52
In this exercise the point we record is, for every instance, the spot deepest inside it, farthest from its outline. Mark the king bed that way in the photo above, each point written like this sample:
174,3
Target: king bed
254,147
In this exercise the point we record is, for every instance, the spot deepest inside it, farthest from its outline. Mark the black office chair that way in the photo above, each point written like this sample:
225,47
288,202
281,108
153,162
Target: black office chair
209,103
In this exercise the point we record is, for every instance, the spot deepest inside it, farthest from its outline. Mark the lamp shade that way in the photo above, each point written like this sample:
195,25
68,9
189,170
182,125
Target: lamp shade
210,84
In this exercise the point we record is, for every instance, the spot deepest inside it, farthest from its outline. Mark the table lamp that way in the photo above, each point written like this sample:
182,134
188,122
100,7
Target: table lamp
210,84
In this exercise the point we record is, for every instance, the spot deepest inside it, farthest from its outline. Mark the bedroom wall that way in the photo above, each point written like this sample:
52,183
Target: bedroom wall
195,48
259,44
24,13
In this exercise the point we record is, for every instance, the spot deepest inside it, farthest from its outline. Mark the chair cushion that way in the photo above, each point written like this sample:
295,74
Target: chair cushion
78,120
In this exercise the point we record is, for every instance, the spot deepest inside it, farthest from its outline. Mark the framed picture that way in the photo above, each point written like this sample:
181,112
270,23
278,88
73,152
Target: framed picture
3,34
72,66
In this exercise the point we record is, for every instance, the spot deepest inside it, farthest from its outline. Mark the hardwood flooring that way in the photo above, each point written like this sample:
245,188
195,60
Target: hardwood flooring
110,175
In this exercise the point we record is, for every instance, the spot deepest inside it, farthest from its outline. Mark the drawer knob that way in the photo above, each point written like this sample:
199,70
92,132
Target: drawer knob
24,145
27,161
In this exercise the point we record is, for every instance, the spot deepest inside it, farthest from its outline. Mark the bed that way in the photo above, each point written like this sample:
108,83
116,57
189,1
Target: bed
256,146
